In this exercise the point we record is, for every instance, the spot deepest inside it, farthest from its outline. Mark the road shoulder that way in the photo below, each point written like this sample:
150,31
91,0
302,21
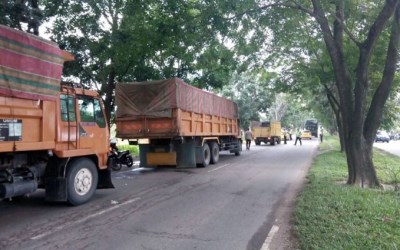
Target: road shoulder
285,237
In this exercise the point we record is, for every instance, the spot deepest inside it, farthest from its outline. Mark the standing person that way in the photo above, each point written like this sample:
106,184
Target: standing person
321,134
284,136
248,136
298,137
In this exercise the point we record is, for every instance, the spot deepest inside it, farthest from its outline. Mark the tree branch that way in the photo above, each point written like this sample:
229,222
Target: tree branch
365,57
340,27
383,90
338,24
330,94
378,26
347,32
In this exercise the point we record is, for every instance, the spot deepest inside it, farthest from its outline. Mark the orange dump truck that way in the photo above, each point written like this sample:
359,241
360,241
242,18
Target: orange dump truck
52,136
184,126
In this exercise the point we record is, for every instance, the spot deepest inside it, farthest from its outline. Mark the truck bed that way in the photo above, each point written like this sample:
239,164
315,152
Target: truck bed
171,108
182,123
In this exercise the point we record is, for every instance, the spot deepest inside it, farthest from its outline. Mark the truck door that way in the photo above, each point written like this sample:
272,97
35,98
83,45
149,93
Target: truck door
68,130
92,126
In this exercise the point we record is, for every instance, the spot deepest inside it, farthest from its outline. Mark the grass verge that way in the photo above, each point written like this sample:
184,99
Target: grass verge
332,215
132,148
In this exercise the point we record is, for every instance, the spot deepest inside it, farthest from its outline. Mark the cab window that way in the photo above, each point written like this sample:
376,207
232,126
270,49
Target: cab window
91,111
67,104
98,114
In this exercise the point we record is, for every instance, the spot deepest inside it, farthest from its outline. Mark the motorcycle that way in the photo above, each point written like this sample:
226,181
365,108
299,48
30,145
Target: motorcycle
118,158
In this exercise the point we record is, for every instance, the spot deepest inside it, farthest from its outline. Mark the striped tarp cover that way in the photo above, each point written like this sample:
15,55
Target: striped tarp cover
30,66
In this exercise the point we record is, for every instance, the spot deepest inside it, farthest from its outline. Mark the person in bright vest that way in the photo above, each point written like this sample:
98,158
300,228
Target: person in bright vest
285,134
298,137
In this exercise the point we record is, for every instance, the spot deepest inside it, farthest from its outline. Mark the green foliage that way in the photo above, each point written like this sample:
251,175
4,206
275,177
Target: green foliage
252,93
132,148
122,41
298,48
17,13
146,40
332,215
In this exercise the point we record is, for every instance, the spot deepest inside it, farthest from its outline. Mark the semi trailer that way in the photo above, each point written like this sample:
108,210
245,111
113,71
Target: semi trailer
180,124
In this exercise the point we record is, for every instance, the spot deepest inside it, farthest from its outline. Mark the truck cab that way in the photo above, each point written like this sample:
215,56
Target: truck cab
52,135
60,146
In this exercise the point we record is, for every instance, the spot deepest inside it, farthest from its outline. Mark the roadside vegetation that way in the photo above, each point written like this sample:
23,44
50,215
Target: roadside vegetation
132,148
332,215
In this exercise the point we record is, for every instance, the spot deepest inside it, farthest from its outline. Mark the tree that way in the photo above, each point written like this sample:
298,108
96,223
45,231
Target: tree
278,108
15,13
367,28
253,94
130,40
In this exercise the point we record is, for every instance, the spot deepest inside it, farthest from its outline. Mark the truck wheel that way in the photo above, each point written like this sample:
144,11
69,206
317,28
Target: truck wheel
272,142
279,141
214,152
239,150
82,180
206,156
257,143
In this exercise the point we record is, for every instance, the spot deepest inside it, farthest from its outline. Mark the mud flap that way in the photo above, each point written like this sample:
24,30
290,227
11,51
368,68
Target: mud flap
199,154
186,156
105,179
143,149
56,189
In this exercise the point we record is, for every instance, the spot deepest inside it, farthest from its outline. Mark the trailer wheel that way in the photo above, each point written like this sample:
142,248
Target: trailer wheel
214,152
239,150
272,142
206,156
82,180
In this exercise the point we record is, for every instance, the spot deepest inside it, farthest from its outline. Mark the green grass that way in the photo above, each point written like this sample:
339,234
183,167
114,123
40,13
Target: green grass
132,148
332,215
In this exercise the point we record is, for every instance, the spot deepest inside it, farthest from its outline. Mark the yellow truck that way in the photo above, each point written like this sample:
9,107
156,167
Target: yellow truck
267,132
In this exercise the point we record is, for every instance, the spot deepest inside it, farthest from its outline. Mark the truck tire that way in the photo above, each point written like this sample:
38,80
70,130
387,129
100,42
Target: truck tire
239,150
272,141
214,152
206,156
257,142
82,180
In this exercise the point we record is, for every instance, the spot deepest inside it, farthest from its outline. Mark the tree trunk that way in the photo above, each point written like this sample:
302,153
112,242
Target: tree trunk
336,110
341,134
108,90
359,160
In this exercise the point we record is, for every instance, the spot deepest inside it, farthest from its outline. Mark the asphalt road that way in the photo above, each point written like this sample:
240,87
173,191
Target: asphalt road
231,205
392,147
